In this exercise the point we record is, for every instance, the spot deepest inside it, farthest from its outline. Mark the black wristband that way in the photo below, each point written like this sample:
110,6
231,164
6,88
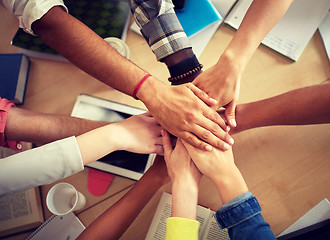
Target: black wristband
184,66
189,73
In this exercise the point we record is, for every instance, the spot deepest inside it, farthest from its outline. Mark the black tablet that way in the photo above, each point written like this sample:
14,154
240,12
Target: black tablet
122,163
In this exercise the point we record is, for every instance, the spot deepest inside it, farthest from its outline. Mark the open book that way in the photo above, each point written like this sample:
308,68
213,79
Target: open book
209,228
19,211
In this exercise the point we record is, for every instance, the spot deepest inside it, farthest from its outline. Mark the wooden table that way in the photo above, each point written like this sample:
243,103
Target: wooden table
287,168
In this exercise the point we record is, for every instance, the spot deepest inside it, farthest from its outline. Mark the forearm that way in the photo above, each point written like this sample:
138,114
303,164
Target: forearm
87,50
184,198
231,184
170,48
114,221
260,18
242,217
97,143
28,126
309,105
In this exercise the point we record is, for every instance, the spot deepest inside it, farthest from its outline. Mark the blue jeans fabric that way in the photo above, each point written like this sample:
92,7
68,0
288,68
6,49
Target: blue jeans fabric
242,216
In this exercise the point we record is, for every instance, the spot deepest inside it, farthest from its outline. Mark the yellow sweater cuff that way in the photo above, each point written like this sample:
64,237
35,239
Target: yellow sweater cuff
181,228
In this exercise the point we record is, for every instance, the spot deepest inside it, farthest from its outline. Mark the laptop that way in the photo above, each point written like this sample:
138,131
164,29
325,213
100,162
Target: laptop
122,163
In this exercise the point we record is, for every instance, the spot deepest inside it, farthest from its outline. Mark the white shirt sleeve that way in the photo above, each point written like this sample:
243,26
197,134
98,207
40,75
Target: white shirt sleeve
28,11
39,166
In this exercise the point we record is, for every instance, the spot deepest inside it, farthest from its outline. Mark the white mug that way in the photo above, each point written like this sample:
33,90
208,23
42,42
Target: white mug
63,198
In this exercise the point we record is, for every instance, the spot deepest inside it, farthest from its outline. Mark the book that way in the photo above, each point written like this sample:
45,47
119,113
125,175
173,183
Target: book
324,30
317,214
14,72
209,228
107,18
292,33
19,211
224,6
196,15
58,227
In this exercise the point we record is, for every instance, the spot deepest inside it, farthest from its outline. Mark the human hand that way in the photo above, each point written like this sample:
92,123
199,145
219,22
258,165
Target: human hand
242,118
178,162
183,111
214,164
222,82
219,166
140,134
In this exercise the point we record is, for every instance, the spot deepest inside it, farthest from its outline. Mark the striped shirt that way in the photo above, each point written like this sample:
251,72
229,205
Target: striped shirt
159,26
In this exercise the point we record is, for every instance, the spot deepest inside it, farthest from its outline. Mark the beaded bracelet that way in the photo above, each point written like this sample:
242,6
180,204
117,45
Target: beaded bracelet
138,86
184,75
183,66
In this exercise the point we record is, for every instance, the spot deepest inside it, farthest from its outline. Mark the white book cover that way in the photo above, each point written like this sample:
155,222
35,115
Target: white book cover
324,30
317,214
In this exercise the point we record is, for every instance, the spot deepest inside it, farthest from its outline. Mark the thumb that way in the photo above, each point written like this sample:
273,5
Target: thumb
230,113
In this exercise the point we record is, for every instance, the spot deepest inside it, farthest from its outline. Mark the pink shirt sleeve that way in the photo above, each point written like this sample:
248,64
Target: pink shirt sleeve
4,107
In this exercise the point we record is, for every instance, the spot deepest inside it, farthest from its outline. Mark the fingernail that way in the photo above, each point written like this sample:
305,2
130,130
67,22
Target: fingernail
226,146
231,141
208,148
233,122
213,100
227,129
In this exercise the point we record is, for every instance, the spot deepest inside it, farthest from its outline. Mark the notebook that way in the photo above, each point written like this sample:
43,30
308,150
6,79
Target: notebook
14,73
196,15
58,227
292,33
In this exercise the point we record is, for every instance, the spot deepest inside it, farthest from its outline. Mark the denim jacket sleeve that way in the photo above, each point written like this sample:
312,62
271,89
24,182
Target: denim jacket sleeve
242,216
159,26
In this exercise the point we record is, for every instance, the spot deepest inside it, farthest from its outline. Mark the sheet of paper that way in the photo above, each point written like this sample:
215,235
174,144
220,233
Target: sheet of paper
200,40
292,33
223,6
203,217
317,214
236,15
213,231
324,30
157,229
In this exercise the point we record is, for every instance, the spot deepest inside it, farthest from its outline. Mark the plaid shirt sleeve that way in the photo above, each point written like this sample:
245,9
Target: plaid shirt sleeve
159,26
